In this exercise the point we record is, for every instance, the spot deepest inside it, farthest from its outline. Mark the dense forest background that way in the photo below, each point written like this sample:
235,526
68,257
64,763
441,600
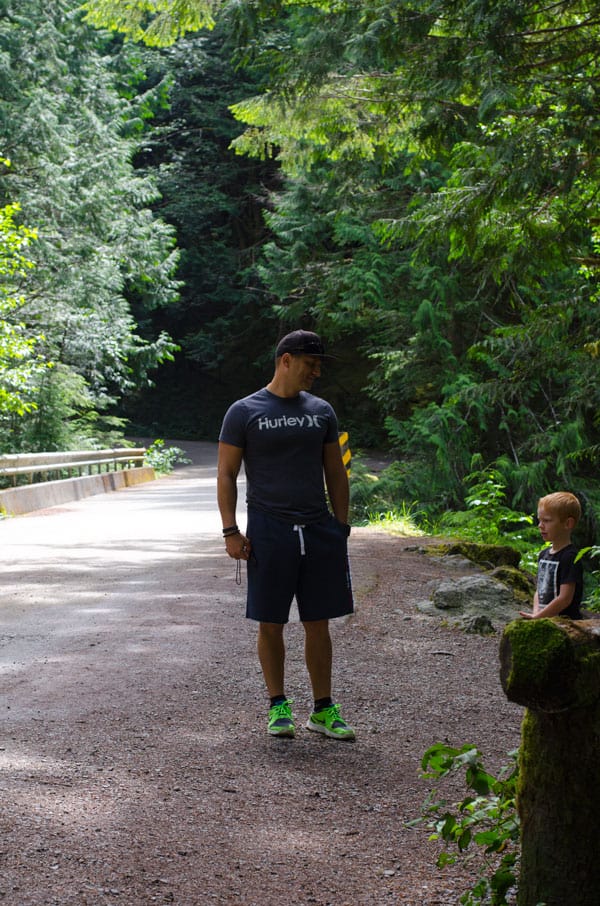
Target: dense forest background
182,182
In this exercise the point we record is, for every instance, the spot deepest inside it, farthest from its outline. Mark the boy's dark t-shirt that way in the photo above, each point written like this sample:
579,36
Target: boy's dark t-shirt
559,569
283,439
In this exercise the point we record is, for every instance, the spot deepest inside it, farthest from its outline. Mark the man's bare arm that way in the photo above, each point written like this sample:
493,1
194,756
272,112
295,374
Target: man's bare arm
336,480
229,463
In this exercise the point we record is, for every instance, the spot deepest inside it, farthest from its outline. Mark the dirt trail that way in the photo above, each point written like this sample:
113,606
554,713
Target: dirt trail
134,764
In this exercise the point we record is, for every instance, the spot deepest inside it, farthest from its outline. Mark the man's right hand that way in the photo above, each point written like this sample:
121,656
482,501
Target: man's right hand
238,546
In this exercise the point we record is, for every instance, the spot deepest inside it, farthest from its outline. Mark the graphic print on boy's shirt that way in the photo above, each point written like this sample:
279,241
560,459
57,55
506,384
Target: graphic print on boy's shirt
547,581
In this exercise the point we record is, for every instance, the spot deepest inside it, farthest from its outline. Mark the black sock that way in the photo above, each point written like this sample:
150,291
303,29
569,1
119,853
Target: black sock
278,699
322,703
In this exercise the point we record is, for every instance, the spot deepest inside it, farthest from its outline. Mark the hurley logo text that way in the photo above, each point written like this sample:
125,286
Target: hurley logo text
300,421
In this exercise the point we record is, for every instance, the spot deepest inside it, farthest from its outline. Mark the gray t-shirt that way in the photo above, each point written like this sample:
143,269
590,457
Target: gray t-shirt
282,440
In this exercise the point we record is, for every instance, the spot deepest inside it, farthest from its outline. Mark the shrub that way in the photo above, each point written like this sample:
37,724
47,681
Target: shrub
163,459
487,819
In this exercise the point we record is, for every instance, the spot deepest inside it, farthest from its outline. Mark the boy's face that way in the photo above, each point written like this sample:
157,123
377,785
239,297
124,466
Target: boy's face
552,527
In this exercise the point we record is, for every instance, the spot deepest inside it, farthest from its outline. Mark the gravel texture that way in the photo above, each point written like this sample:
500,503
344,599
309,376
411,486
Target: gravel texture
135,767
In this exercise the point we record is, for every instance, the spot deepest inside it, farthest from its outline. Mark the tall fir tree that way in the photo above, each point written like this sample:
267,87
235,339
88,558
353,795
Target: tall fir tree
70,122
476,124
214,199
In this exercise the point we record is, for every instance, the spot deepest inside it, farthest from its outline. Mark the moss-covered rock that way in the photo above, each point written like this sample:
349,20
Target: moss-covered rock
462,601
488,556
522,584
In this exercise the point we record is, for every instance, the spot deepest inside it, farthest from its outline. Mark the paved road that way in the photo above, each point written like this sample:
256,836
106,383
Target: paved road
134,764
68,569
114,615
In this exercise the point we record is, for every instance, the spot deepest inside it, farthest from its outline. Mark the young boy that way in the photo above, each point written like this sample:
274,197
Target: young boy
559,578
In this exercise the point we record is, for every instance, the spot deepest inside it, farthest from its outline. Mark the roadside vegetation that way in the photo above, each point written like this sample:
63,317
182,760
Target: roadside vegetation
486,518
417,182
163,459
482,828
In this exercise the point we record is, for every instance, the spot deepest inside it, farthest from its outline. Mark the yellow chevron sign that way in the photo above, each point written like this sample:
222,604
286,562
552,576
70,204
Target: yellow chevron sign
346,454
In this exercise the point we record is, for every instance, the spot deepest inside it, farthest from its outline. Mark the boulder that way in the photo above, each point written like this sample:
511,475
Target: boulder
485,555
462,601
521,584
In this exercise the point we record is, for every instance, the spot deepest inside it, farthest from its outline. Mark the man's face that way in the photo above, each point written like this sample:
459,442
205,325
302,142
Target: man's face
305,369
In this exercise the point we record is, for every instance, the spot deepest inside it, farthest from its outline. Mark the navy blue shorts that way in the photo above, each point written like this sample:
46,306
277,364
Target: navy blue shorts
308,561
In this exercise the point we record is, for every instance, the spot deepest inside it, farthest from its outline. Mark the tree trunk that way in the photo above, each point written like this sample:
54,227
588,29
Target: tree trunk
553,668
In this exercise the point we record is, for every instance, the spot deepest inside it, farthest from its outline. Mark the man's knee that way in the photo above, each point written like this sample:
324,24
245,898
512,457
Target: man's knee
316,629
271,630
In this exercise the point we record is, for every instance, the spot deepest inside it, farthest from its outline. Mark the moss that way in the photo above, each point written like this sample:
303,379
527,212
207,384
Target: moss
556,664
550,665
558,808
520,583
486,555
536,667
533,644
588,675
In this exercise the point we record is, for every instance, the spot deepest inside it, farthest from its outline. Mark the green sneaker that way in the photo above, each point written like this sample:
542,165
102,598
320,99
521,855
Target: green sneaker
330,722
281,721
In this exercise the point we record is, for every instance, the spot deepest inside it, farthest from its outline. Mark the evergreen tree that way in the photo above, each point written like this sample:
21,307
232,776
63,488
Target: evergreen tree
498,104
70,120
441,184
19,365
214,199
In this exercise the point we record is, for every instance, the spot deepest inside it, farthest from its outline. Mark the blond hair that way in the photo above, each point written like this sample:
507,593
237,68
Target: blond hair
563,504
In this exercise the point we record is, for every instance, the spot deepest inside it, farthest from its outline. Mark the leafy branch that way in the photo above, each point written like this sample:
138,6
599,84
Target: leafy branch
486,817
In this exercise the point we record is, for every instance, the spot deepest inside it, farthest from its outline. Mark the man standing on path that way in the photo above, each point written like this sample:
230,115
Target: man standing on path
288,441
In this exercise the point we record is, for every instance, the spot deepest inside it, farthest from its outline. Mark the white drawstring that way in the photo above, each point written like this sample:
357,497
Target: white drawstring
298,528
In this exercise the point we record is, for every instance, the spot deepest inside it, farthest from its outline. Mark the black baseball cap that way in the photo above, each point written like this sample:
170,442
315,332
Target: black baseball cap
302,342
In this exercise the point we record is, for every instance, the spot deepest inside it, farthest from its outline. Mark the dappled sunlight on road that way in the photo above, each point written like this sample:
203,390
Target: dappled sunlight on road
83,575
49,792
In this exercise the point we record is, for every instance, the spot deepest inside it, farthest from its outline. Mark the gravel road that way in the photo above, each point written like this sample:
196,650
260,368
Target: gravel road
134,764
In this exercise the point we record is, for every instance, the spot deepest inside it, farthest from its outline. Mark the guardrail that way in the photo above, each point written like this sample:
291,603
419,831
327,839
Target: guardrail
89,462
